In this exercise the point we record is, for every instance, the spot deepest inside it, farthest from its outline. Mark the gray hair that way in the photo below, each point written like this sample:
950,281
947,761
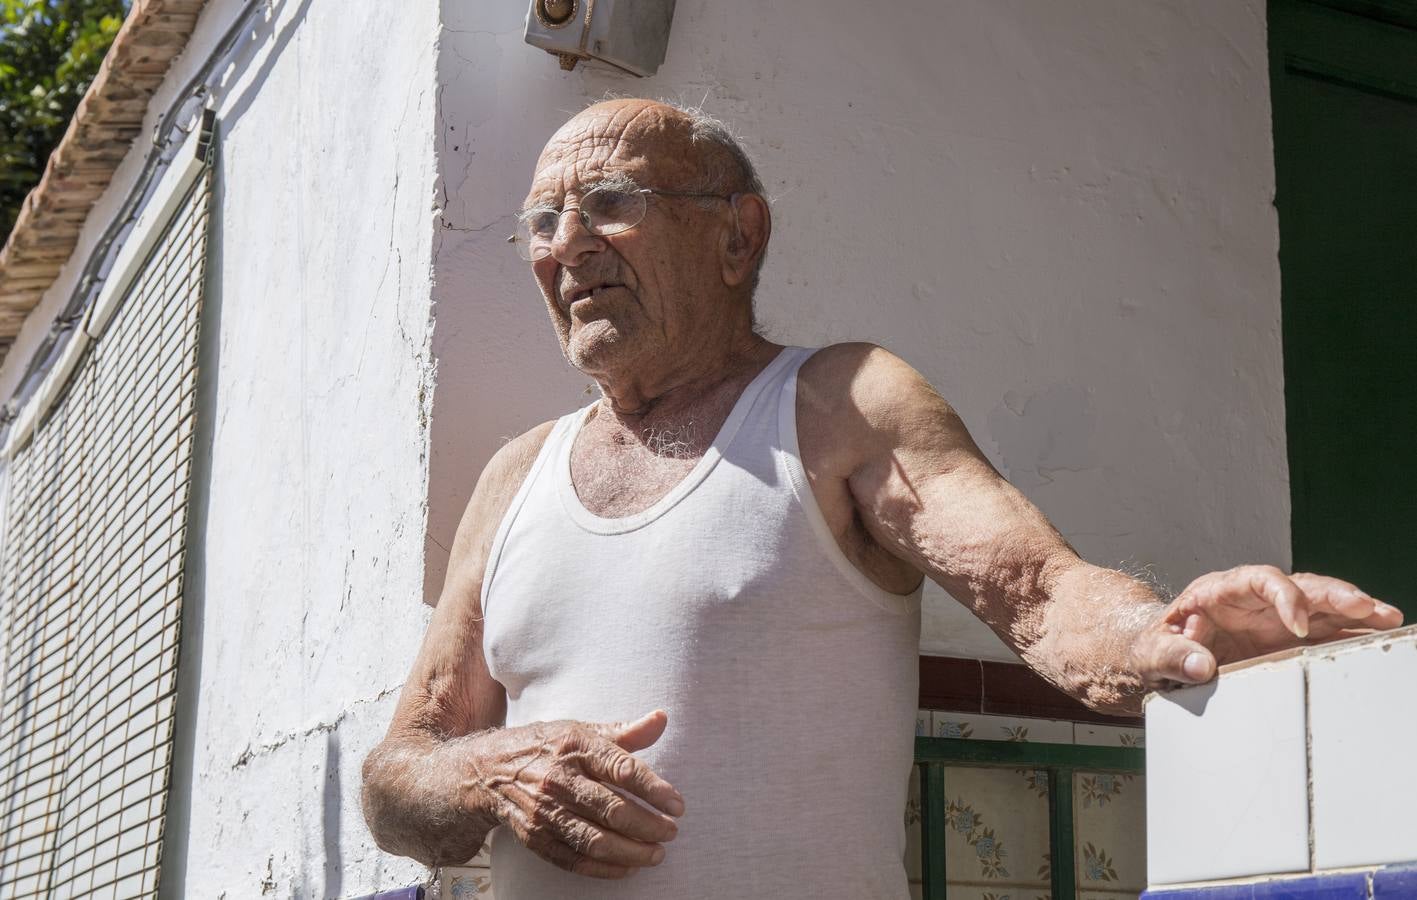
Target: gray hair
731,171
739,176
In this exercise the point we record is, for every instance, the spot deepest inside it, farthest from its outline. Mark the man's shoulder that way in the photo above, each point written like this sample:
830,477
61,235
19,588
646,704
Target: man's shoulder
860,381
496,487
859,402
510,464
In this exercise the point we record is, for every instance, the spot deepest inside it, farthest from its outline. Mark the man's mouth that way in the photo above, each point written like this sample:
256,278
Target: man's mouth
585,293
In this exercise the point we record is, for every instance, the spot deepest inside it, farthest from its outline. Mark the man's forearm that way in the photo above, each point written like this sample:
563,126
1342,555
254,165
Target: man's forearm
1087,631
415,802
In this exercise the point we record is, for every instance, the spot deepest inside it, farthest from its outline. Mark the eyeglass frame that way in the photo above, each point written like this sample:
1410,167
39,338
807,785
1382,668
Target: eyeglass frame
514,239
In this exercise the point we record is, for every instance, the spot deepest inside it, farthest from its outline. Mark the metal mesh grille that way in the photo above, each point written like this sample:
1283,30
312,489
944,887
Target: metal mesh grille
90,593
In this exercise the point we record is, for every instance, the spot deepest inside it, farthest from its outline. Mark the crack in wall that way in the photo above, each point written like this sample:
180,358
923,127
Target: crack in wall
252,752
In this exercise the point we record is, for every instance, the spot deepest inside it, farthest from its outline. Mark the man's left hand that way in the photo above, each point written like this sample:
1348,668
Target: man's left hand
1249,611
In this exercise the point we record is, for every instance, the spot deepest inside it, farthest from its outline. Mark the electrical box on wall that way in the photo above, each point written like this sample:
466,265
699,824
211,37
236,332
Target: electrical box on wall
630,35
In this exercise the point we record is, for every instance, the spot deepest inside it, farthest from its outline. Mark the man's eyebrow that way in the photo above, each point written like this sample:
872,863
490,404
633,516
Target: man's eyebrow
620,181
617,181
538,200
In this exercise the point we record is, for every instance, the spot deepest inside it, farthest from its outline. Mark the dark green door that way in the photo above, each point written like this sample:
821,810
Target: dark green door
1344,89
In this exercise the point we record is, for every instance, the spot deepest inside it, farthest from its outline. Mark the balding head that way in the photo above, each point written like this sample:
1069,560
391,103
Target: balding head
684,269
695,150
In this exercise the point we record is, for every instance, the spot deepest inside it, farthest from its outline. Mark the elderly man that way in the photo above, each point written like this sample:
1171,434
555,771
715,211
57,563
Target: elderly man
678,638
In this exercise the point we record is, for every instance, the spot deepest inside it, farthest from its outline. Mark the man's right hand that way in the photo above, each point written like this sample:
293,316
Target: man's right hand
550,783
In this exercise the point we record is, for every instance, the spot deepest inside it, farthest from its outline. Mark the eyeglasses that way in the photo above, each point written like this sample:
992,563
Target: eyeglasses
603,211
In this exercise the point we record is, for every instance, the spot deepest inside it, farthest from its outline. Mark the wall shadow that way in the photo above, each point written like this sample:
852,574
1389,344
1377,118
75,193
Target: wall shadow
329,824
178,820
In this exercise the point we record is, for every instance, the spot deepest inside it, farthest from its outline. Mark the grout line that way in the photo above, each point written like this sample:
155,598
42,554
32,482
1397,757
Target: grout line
983,688
1309,765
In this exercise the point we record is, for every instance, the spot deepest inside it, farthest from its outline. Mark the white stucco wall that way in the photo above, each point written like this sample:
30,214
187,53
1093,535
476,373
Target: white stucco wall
305,569
1060,213
312,561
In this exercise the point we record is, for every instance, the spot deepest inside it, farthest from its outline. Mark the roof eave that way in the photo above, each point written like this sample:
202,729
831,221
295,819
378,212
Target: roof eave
107,121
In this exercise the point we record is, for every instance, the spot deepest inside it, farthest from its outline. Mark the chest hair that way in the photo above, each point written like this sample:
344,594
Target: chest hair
619,470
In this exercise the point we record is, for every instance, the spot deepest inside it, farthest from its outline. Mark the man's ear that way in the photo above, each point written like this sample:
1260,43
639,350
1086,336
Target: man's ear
752,223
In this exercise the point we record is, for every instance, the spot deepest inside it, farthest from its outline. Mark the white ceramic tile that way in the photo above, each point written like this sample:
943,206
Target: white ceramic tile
1363,722
1108,736
1000,728
922,723
1227,791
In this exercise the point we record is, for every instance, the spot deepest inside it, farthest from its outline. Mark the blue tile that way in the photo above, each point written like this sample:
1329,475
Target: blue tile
1344,886
1395,883
1340,886
1216,892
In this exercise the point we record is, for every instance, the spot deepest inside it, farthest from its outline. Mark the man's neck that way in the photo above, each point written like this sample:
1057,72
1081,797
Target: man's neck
639,397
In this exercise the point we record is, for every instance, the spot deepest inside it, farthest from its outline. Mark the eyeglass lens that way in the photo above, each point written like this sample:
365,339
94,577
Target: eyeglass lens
603,211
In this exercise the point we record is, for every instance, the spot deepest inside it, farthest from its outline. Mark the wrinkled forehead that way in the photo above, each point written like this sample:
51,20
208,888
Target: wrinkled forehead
645,145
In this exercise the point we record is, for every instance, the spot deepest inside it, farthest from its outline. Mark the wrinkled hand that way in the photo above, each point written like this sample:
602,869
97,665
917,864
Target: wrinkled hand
1248,611
550,783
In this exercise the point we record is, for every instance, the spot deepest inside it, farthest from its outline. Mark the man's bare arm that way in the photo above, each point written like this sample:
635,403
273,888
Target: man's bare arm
446,773
411,788
927,494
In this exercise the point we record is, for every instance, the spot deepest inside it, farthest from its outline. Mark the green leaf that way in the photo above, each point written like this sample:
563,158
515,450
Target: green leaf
50,51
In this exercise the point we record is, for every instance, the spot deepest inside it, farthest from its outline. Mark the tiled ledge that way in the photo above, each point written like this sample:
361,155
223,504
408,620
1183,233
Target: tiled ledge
970,726
1397,882
1288,768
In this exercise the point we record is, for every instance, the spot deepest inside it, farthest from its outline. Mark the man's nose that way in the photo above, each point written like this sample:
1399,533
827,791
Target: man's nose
573,241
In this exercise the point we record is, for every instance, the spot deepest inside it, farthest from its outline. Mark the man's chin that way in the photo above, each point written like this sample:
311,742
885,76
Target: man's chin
596,346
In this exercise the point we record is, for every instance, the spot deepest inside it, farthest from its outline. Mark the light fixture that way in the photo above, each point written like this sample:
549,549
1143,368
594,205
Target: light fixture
630,35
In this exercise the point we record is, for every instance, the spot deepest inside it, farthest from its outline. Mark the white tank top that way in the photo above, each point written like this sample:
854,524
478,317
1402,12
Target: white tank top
789,677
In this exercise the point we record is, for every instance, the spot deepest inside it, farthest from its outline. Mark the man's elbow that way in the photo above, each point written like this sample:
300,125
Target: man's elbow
384,801
374,799
1099,686
1113,699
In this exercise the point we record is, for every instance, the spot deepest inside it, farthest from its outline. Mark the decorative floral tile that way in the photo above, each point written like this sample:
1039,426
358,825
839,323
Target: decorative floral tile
912,826
996,834
996,819
465,883
1109,815
1108,736
970,892
922,723
999,728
